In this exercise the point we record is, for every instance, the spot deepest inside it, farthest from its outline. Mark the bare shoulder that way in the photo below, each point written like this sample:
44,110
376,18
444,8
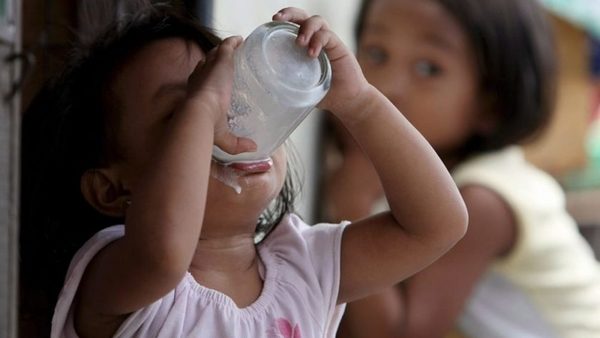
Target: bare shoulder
491,219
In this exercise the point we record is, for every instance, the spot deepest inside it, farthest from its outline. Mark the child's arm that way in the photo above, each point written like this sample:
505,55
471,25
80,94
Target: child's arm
352,187
427,214
448,281
452,279
164,221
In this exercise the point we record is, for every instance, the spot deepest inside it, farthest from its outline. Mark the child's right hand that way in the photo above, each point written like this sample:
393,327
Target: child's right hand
349,89
209,90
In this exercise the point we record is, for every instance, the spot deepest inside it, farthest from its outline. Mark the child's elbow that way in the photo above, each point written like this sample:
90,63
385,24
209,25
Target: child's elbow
173,265
168,260
456,224
448,227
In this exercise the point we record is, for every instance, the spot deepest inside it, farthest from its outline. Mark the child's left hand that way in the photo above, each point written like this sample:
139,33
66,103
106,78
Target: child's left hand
348,85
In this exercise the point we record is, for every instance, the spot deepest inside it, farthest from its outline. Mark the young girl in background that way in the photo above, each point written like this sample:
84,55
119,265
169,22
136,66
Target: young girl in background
126,136
475,77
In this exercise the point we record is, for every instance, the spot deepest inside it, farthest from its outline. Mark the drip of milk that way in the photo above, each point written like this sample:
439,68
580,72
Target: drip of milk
227,176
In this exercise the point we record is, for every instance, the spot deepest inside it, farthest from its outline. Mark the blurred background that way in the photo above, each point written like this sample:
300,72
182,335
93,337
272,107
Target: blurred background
35,36
569,149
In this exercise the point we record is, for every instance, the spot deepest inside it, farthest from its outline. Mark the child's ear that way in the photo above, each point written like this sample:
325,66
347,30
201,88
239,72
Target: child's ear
102,189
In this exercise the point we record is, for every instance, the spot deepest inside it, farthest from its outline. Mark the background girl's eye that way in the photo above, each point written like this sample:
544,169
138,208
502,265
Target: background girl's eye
425,68
375,55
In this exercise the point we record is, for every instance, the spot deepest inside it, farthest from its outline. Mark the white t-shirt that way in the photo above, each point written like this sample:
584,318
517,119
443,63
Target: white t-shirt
549,284
301,282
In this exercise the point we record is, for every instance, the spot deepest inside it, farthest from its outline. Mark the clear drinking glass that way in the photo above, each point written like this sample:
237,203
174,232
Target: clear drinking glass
276,85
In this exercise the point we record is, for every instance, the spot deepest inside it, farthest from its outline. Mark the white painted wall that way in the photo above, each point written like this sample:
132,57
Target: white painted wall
240,17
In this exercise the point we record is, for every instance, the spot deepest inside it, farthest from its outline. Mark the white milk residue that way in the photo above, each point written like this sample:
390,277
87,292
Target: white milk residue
227,176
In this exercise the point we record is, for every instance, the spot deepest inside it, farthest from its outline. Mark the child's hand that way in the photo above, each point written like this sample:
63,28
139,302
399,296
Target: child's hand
209,89
348,86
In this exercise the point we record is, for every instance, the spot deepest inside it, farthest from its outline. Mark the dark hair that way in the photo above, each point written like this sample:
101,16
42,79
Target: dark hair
515,52
68,130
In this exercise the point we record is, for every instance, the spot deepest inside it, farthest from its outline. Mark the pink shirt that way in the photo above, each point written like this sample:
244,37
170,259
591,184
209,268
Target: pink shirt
298,300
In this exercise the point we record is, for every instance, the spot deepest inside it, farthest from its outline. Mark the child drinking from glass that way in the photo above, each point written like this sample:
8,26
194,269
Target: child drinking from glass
125,136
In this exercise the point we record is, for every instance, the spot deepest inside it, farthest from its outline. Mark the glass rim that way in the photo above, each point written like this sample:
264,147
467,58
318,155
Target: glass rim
321,85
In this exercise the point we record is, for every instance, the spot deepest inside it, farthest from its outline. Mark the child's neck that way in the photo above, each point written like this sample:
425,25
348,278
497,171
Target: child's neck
451,163
228,265
225,254
450,159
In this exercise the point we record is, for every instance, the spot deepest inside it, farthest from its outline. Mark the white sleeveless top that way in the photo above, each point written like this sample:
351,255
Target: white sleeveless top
298,300
549,285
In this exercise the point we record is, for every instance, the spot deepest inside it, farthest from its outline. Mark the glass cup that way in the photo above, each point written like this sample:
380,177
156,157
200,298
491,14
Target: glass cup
276,85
